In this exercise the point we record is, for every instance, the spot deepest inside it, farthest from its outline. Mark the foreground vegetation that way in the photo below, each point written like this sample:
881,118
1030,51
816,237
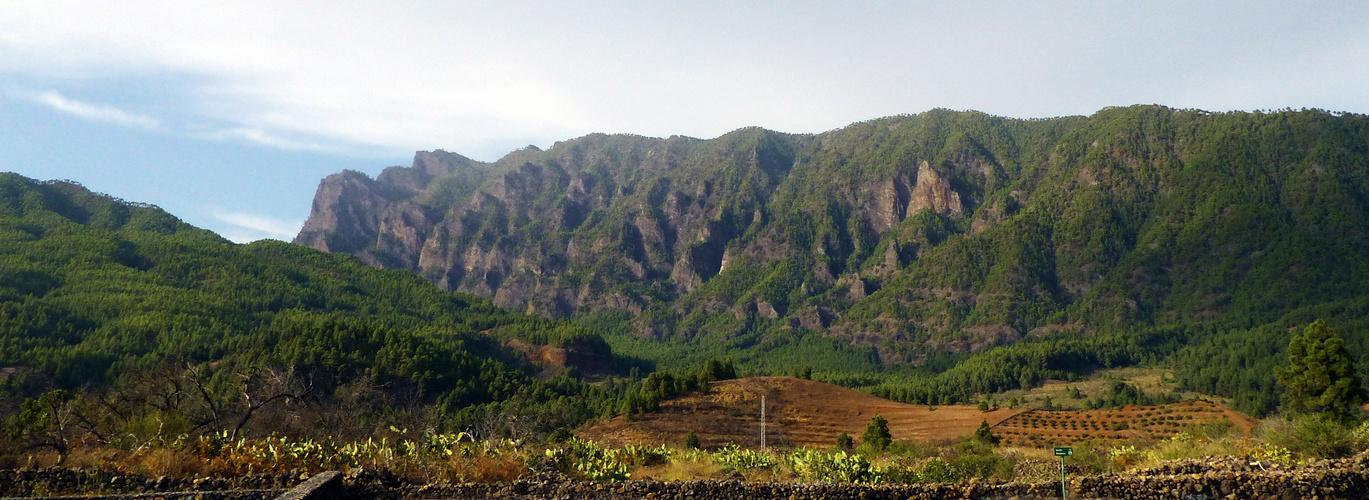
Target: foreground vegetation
457,458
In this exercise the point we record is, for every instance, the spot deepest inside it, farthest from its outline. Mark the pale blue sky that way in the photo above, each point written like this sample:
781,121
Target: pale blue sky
227,114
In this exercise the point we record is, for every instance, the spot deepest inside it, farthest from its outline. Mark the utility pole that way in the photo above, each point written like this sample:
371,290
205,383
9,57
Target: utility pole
762,421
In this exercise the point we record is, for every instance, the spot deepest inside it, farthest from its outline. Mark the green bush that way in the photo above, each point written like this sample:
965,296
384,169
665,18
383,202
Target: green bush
1321,436
560,435
692,440
895,473
732,458
980,466
590,461
844,442
938,470
814,465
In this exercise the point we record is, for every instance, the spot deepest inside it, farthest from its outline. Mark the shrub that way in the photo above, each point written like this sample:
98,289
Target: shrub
692,440
813,465
1360,436
1322,436
980,466
1125,456
596,463
844,441
938,470
732,458
895,473
560,435
1273,453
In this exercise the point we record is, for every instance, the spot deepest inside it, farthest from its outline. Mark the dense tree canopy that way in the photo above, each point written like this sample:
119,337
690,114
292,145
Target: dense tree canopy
123,301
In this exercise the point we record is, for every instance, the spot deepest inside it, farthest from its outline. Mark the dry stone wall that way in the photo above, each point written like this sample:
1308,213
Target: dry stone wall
57,481
1189,479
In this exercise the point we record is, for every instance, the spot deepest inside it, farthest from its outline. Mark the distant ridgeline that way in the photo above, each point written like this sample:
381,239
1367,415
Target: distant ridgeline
907,244
173,324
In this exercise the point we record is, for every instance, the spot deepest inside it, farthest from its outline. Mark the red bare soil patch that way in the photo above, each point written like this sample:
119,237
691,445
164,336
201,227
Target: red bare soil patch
798,412
1129,423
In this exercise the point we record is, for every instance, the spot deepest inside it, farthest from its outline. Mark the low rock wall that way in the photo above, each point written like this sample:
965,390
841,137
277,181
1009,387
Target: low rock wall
1191,479
1334,481
58,481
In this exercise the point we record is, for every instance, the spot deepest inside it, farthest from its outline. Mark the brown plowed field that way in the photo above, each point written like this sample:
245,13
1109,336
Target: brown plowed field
799,412
803,412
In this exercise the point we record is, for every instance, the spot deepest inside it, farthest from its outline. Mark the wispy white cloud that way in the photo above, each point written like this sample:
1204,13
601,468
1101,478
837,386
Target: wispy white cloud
249,227
95,112
260,136
465,76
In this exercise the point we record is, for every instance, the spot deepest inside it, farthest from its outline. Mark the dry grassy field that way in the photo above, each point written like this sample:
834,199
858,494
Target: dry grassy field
807,413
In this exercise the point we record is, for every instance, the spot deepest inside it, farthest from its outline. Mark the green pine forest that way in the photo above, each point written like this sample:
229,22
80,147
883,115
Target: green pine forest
103,296
1144,236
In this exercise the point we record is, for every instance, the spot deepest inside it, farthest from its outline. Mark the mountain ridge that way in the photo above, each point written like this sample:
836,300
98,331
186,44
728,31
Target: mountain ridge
938,232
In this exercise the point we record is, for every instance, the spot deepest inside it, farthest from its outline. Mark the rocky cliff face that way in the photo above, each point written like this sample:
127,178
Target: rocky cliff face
561,231
386,221
942,231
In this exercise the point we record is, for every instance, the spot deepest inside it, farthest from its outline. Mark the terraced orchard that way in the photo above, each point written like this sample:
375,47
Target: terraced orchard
1129,423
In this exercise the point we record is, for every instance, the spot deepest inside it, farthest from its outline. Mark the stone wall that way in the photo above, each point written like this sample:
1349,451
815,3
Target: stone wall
1187,479
57,481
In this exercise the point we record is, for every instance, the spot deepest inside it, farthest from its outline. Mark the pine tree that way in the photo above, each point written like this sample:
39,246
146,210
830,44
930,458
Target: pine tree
1320,376
984,434
877,435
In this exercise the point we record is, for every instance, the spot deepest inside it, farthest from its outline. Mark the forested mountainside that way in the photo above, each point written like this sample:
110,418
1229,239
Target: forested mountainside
915,235
158,323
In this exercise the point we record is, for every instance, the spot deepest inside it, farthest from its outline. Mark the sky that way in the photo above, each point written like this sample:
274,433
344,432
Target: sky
228,114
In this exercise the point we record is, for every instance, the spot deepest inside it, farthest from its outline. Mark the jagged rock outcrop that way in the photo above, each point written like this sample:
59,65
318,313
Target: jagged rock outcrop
385,221
932,192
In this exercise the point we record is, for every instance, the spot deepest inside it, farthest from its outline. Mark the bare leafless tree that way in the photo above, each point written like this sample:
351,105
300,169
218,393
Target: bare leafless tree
262,387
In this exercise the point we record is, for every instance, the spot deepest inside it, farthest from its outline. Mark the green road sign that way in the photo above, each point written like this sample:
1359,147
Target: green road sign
1062,453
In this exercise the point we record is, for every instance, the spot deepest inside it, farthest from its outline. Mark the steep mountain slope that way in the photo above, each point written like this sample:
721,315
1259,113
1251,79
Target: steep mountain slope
97,293
939,232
